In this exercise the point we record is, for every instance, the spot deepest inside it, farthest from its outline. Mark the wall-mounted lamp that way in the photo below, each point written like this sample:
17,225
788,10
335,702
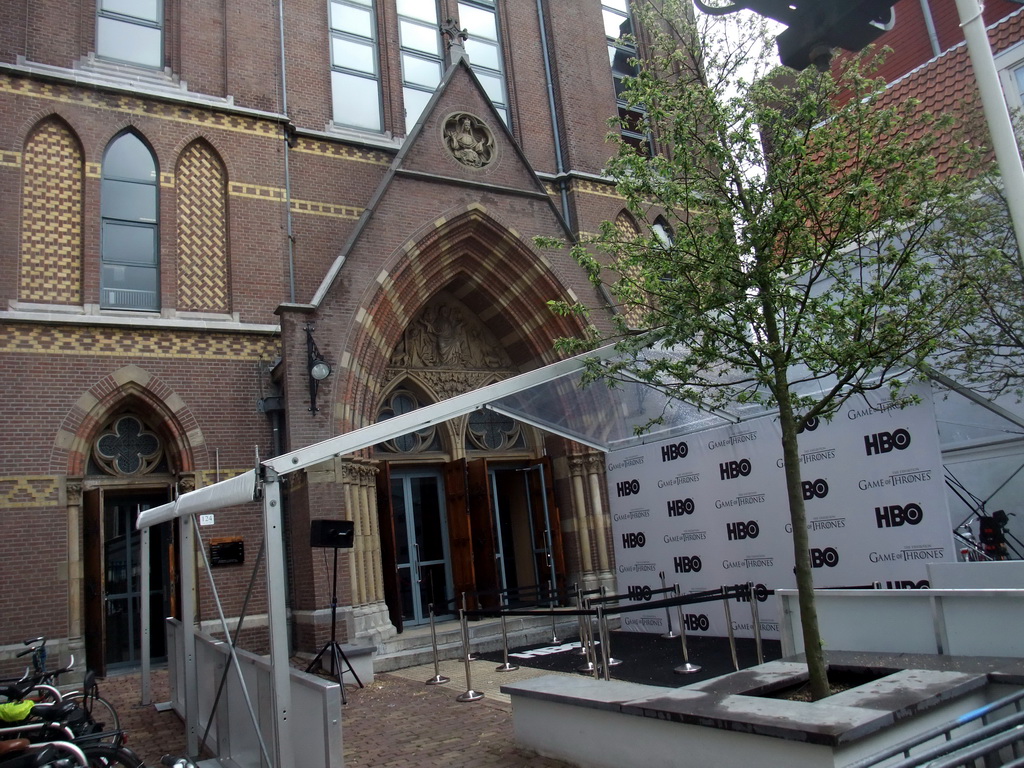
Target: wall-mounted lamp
318,368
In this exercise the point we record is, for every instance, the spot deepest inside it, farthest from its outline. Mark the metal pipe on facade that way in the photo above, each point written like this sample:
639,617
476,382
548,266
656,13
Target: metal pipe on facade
548,79
287,146
929,23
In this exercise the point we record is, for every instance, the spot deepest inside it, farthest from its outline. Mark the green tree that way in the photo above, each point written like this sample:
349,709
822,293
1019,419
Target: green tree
793,264
982,251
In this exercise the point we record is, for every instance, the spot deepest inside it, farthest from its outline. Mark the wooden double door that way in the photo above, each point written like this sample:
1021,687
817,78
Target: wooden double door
486,529
112,570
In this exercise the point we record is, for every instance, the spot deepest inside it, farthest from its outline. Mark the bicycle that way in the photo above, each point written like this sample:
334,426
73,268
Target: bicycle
45,684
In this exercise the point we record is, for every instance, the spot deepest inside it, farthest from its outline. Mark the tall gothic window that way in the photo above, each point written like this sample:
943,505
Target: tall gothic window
618,28
420,42
480,20
355,64
130,232
131,31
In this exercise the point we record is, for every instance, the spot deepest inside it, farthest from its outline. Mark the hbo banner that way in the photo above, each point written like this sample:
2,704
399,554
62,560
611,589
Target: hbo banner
710,509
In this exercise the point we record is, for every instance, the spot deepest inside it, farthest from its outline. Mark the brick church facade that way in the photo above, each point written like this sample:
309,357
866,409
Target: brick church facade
200,197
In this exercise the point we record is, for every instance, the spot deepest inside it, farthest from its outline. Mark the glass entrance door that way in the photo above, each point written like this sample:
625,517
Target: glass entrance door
421,539
122,595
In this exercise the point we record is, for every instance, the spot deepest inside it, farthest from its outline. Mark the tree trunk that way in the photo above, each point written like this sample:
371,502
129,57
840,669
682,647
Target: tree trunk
817,673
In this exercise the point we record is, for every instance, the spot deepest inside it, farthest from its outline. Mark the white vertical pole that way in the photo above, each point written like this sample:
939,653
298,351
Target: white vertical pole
278,618
146,618
188,625
997,114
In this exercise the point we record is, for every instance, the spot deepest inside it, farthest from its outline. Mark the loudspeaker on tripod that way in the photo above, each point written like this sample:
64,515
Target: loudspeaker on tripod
332,534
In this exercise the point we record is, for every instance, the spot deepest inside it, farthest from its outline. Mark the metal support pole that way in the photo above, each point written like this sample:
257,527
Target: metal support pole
668,616
728,625
997,115
470,694
686,667
506,667
756,619
438,678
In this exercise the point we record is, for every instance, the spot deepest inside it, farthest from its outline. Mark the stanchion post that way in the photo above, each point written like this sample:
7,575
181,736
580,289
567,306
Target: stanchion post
579,620
728,626
469,652
587,640
686,668
506,667
756,619
470,694
668,635
551,605
602,633
438,678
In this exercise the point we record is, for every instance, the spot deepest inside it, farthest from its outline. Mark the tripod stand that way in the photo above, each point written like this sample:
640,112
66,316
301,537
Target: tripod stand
338,656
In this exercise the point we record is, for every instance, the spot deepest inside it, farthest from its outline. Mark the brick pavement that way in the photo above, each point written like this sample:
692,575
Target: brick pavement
394,722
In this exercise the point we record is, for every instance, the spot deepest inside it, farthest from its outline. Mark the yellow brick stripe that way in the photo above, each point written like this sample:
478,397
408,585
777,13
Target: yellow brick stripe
136,343
130,105
29,492
10,159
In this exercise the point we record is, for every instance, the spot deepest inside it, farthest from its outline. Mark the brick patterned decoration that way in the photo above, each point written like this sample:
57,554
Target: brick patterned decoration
29,492
143,343
51,227
202,231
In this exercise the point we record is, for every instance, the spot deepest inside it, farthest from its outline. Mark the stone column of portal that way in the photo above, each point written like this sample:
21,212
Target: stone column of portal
595,474
371,612
359,554
73,490
577,469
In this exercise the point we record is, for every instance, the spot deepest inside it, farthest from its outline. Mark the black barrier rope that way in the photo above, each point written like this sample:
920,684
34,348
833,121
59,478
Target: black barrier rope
627,596
741,592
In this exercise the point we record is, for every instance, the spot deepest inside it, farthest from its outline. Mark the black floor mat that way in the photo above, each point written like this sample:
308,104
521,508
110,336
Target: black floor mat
645,658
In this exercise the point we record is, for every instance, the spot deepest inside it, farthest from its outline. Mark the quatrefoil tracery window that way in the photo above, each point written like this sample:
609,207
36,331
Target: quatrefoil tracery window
126,447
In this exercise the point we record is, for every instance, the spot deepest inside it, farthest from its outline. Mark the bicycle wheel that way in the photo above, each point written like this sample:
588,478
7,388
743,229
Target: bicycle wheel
100,710
109,756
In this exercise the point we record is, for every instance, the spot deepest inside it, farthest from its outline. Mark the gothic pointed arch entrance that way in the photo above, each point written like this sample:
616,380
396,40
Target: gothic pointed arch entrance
467,507
129,455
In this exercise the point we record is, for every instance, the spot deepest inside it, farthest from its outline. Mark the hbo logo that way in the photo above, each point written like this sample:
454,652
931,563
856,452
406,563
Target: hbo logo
627,487
741,530
684,564
884,442
639,593
894,516
814,489
730,470
633,540
674,451
696,622
824,557
680,507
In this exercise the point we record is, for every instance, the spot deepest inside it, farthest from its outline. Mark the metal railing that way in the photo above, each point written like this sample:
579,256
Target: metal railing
997,743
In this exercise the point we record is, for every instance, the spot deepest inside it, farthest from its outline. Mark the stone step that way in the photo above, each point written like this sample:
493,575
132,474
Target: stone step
413,647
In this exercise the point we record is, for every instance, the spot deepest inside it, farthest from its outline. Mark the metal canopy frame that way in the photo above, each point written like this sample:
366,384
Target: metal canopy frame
601,417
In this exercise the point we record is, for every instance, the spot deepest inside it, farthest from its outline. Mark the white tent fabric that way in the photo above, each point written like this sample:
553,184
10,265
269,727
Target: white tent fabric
227,493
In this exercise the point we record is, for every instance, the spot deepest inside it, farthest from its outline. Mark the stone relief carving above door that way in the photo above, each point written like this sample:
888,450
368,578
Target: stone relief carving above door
449,349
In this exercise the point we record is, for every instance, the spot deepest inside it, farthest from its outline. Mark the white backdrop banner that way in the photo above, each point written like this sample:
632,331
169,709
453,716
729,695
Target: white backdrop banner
711,510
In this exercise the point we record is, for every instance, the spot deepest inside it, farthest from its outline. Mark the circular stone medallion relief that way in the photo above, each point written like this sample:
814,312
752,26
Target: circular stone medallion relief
469,140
